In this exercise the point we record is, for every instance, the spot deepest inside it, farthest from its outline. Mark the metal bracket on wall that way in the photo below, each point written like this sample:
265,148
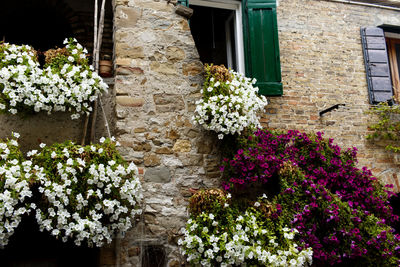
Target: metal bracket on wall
330,109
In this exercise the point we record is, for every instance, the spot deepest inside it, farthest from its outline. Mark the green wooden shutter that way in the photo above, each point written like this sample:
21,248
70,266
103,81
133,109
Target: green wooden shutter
183,2
261,45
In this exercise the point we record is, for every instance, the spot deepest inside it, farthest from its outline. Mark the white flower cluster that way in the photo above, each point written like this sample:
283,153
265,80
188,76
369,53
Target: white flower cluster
229,111
90,197
14,188
247,242
24,86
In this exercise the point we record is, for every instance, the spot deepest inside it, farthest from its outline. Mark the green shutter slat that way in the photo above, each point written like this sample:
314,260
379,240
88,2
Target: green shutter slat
183,2
262,45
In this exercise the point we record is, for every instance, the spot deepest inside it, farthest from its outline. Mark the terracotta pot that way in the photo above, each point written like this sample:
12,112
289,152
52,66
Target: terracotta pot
105,68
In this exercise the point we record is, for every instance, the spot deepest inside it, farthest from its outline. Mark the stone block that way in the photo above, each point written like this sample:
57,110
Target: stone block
121,2
192,133
182,146
168,102
164,150
151,160
184,25
128,70
139,130
158,175
172,134
175,53
120,92
192,68
124,50
158,6
128,101
204,146
126,17
123,61
192,160
164,68
148,37
142,146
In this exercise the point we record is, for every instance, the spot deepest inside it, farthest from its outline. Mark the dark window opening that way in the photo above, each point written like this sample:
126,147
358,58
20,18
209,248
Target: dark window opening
28,247
34,23
214,34
153,256
44,24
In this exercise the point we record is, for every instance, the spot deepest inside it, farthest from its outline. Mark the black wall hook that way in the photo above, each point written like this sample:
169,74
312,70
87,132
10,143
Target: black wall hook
330,109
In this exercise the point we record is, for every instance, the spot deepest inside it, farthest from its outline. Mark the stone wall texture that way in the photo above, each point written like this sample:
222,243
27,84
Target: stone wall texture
158,78
323,65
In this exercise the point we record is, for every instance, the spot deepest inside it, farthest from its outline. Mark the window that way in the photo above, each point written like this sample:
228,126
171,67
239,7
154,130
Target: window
382,62
217,31
240,35
393,47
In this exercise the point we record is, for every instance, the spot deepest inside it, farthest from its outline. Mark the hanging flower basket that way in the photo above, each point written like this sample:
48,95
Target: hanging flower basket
230,102
15,192
89,192
86,194
65,83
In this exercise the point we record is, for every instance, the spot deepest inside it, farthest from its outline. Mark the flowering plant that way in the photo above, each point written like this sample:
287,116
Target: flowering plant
341,212
337,231
15,176
67,82
89,193
262,155
230,102
223,236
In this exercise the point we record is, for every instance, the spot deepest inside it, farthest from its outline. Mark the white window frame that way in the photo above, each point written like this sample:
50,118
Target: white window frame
237,7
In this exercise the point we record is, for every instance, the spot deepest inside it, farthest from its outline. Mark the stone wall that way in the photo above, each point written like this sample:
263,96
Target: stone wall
57,127
158,77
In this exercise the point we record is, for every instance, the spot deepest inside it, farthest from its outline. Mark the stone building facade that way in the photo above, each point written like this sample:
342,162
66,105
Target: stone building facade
158,77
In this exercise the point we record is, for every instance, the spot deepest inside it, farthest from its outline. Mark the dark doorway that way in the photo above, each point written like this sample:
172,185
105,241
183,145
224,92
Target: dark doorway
44,24
153,256
29,247
36,23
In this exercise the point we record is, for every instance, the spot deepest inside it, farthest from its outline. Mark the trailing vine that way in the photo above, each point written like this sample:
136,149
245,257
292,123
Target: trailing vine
388,126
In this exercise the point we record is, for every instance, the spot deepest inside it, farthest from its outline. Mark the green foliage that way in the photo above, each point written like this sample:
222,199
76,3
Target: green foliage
235,234
323,219
57,58
66,83
208,200
388,126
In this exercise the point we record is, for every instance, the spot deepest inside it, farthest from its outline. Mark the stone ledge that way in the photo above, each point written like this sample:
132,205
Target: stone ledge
128,101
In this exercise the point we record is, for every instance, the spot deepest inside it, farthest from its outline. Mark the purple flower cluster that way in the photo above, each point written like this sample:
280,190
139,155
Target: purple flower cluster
342,212
319,159
337,233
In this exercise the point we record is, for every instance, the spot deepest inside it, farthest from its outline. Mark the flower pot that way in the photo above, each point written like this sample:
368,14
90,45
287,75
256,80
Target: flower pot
105,68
